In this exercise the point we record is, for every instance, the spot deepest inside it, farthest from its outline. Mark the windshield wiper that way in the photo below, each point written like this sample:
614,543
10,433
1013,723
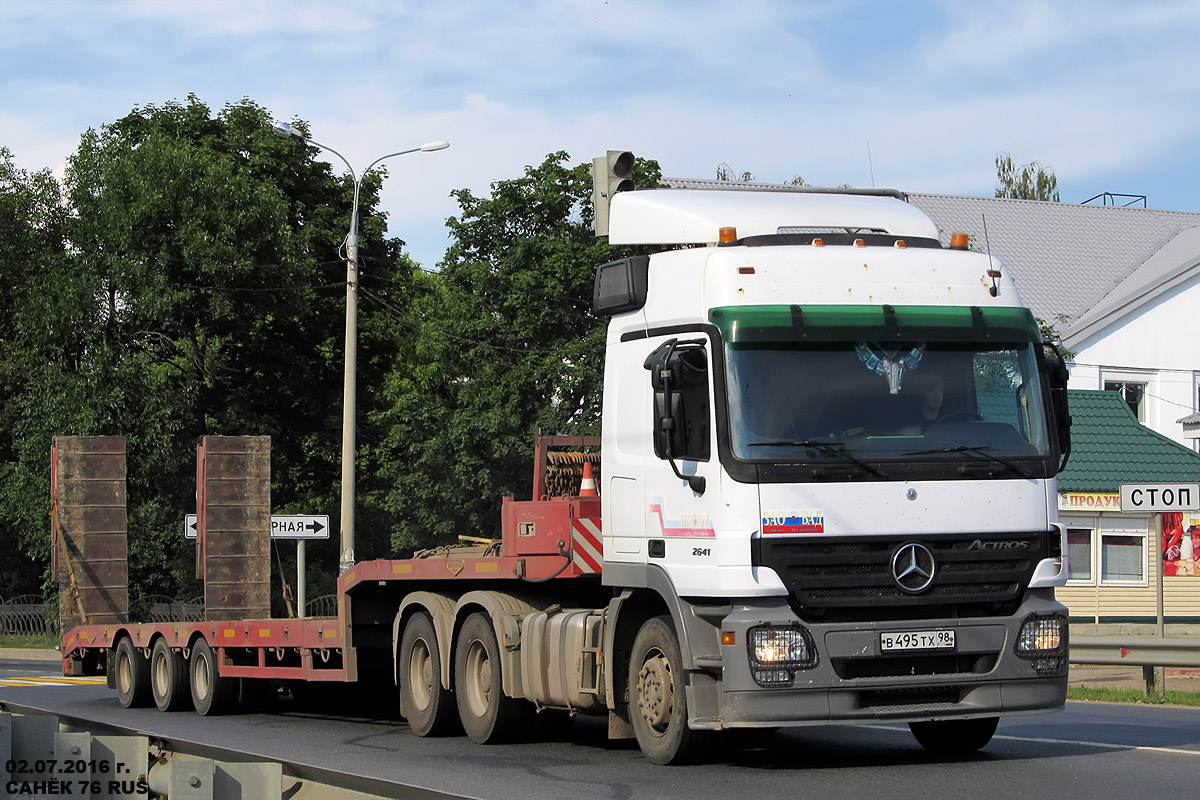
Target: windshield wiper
825,447
979,453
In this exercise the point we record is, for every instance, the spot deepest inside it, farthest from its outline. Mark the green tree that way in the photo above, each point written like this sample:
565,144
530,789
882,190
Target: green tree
508,344
727,173
1029,182
202,293
32,245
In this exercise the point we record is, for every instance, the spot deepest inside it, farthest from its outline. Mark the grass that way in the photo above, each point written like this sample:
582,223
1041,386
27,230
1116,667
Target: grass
32,642
1173,698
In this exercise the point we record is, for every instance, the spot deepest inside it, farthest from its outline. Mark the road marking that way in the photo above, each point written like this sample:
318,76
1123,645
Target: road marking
1101,745
36,680
1108,745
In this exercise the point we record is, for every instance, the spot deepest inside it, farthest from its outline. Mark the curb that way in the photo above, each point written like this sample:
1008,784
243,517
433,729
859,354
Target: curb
29,654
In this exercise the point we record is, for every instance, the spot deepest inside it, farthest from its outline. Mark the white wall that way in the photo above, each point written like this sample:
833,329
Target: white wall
1158,344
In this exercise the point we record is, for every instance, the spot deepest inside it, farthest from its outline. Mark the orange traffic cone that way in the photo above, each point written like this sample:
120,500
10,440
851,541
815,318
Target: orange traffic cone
587,487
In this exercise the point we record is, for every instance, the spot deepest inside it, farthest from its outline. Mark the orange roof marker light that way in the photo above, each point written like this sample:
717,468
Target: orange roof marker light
728,234
818,242
901,243
959,240
859,243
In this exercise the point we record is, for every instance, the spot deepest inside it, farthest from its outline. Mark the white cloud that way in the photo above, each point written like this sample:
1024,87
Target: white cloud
775,87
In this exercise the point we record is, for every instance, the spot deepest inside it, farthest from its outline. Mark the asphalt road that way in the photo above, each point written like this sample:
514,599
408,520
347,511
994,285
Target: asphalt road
1089,751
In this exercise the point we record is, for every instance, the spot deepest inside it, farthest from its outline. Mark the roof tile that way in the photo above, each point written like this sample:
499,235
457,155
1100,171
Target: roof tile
1110,447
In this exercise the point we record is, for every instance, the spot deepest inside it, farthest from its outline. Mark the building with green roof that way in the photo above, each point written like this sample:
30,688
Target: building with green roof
1116,558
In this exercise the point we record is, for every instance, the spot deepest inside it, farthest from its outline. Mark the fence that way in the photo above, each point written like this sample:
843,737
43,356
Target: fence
323,606
28,615
161,608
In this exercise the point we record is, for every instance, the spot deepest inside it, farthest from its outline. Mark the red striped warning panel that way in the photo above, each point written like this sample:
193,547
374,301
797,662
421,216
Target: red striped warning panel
588,547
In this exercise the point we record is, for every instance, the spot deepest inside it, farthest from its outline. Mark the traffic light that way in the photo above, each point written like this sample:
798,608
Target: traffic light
611,173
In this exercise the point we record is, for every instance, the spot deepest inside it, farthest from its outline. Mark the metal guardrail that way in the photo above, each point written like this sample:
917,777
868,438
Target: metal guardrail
1136,651
168,765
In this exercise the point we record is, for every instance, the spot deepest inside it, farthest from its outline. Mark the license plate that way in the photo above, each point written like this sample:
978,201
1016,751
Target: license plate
916,640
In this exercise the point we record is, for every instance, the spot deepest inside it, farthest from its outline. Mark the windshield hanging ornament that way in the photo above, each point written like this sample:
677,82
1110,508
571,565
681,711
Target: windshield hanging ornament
888,364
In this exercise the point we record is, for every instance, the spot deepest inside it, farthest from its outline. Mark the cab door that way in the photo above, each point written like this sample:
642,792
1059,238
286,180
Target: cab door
683,478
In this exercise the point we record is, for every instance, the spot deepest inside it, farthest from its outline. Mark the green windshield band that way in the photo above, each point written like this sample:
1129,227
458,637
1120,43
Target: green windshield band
748,325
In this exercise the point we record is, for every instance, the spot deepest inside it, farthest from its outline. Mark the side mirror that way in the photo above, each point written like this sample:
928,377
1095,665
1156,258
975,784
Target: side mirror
679,378
1057,375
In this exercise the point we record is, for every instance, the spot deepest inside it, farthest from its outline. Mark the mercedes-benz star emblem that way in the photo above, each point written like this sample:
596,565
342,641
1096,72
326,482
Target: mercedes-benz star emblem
913,567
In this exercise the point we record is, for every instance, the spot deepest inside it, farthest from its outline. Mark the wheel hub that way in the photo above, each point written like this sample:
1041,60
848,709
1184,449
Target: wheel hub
656,693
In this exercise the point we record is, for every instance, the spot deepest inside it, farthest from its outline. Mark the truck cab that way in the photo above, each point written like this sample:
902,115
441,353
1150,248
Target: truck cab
830,446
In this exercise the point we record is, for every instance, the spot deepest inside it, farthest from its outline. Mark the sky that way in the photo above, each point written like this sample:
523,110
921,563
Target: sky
917,96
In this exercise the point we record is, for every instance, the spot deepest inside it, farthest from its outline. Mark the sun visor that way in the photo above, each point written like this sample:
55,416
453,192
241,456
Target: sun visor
696,216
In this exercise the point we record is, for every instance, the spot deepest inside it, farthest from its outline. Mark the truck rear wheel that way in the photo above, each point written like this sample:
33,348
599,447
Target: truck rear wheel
132,673
168,677
425,703
488,717
657,698
212,693
954,736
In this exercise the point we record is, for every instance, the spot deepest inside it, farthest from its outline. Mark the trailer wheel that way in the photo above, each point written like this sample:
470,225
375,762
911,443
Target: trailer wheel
657,699
168,677
212,693
132,673
425,703
955,736
488,717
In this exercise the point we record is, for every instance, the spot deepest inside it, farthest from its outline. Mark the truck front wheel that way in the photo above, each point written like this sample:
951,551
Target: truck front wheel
168,677
657,699
425,703
132,676
954,736
487,715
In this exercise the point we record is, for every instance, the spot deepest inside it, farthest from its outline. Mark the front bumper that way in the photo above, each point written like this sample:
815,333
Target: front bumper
853,680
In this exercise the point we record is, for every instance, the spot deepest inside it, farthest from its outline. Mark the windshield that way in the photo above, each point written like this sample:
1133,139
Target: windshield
814,390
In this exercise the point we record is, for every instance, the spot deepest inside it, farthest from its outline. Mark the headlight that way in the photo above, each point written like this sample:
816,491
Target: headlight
1043,640
776,653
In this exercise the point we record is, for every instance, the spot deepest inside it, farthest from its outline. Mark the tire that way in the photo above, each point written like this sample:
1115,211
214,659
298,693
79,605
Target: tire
657,697
132,676
954,737
168,678
428,706
487,716
212,693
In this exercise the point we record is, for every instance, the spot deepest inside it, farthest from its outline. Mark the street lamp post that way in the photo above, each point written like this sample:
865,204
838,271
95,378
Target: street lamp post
346,561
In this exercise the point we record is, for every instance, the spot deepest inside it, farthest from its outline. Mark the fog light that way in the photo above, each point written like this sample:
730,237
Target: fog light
1041,635
776,653
1043,640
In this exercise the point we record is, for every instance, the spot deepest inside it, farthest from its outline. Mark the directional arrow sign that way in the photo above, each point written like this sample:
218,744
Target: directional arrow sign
299,526
290,526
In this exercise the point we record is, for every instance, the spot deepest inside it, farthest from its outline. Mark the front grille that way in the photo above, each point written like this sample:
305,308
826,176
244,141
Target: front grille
851,577
907,666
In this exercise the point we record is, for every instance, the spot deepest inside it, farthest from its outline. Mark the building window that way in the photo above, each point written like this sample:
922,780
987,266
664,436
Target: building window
1079,555
1134,395
1122,558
